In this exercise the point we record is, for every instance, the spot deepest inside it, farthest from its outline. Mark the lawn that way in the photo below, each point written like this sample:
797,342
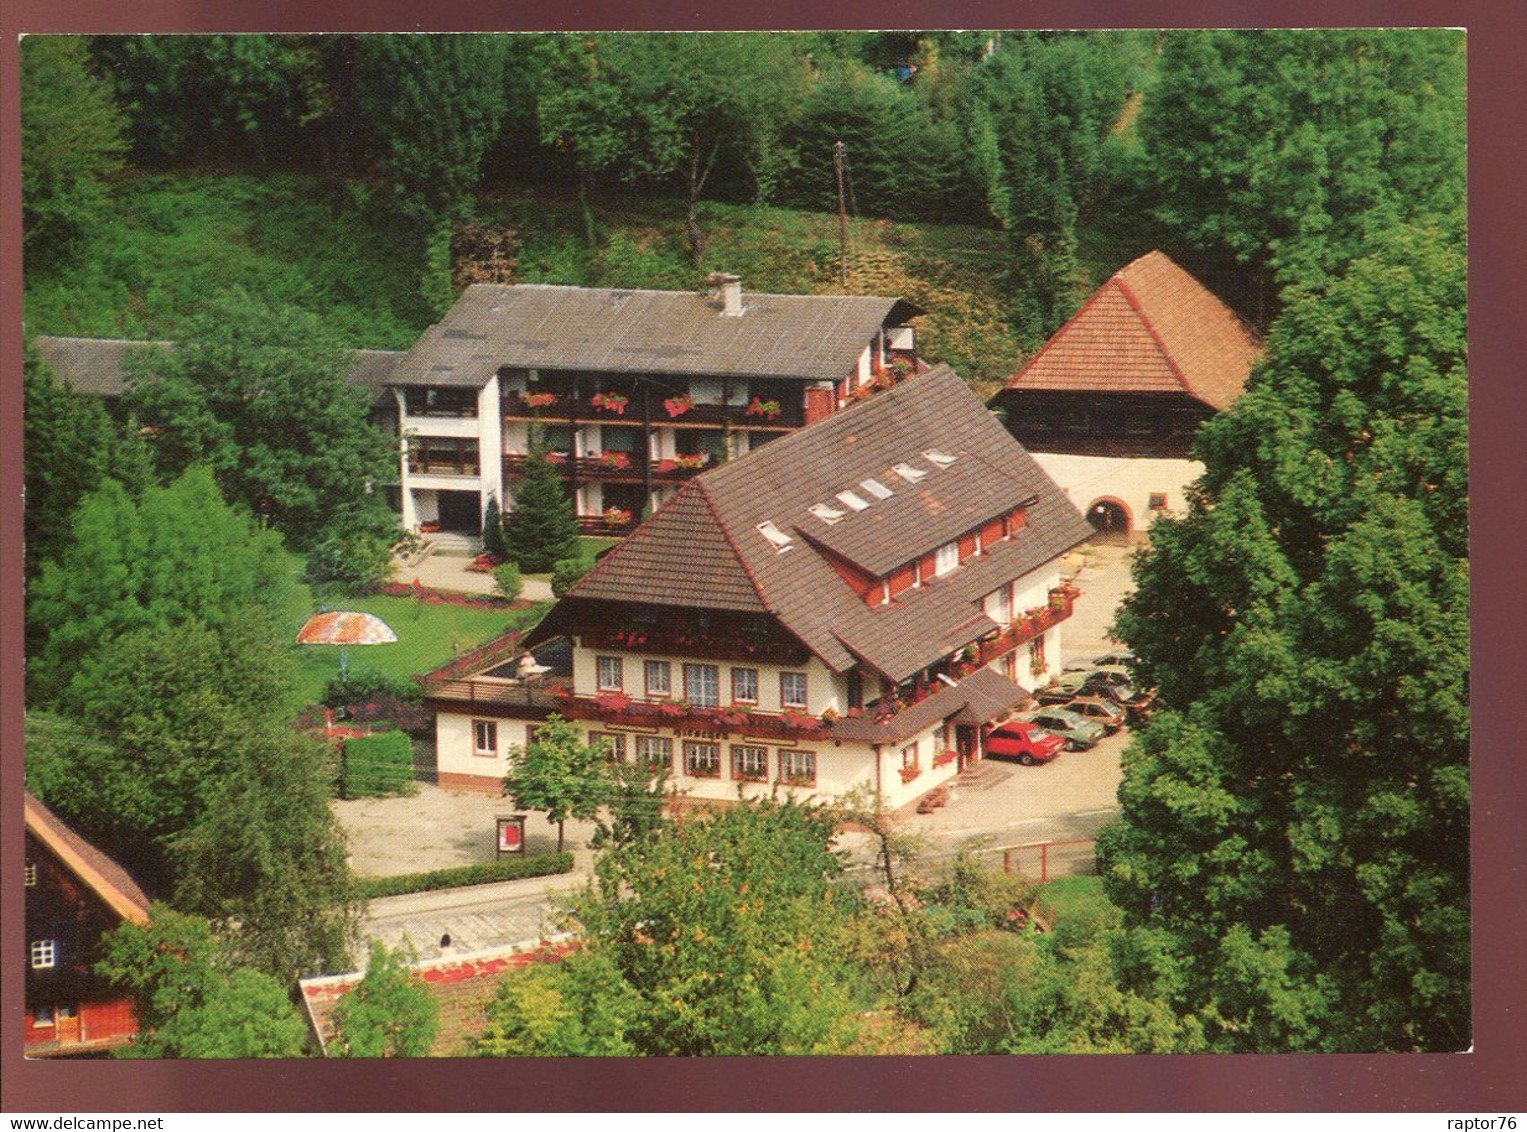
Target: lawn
428,636
1080,897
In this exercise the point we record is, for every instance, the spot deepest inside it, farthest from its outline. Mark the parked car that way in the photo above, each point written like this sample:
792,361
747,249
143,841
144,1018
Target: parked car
1115,682
1027,742
1099,709
1064,688
1122,658
1078,733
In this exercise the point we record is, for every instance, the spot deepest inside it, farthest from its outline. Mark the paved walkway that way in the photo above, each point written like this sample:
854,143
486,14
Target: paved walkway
449,572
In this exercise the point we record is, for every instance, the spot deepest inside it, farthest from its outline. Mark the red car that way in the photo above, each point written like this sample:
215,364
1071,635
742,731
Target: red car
1027,742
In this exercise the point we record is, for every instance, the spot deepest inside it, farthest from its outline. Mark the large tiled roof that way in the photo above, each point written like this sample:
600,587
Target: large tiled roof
1152,328
100,873
704,549
98,366
539,326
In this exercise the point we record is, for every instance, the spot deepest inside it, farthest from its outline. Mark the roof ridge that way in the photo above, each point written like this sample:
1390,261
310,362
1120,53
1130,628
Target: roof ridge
692,292
49,828
726,533
1059,334
1150,328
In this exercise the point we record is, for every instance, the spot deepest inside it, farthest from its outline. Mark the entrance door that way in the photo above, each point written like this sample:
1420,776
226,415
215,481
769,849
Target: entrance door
459,511
1109,519
965,744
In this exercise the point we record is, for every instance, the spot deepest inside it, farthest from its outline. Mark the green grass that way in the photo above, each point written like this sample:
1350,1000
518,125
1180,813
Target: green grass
175,238
428,636
1076,896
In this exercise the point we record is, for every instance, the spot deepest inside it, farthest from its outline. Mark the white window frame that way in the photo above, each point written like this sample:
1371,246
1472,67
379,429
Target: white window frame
485,728
700,753
702,685
746,752
617,741
31,874
946,558
654,751
663,666
43,954
738,675
602,668
784,700
789,762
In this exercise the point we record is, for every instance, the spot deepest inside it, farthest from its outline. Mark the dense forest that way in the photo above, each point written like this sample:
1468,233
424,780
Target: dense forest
1289,871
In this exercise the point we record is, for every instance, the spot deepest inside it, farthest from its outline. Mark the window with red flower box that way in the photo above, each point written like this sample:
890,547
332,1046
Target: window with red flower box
750,764
702,760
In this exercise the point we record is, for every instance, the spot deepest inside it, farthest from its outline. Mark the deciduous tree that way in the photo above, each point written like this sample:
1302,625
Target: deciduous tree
1296,827
390,1014
259,393
558,773
71,142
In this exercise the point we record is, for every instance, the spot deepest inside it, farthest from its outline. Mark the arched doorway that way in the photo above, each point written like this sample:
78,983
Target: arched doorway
1110,519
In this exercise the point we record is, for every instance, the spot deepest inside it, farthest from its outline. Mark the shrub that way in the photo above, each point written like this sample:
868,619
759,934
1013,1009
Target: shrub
364,684
567,571
489,872
378,766
508,581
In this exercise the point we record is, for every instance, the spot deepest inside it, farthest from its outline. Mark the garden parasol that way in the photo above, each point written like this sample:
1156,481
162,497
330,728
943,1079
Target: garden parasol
346,629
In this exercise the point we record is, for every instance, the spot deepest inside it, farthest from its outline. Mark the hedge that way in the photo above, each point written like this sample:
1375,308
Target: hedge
377,766
510,868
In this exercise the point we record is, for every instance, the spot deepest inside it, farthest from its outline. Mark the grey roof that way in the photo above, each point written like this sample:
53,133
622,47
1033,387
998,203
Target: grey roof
798,586
540,326
98,366
981,697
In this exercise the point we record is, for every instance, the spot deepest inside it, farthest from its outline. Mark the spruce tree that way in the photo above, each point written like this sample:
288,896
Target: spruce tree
543,527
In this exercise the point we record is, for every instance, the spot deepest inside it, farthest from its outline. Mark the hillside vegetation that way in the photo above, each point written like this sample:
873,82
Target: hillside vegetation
171,239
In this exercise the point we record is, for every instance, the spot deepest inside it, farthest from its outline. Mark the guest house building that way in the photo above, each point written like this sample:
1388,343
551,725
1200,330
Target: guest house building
1109,407
849,608
633,392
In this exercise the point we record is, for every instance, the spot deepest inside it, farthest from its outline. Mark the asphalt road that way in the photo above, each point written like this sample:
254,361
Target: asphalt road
479,918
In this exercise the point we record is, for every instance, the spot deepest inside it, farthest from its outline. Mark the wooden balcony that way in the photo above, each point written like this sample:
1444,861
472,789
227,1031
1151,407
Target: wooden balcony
623,467
605,528
1019,631
717,643
481,693
622,711
562,407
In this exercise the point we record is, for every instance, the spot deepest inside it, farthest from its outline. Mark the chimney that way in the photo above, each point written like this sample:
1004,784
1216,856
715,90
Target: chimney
727,289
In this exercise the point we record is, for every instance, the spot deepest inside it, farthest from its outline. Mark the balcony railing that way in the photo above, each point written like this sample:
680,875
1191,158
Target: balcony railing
604,527
624,712
562,407
1018,632
495,693
711,645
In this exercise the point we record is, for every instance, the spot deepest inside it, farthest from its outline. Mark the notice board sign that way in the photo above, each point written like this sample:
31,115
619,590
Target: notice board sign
511,833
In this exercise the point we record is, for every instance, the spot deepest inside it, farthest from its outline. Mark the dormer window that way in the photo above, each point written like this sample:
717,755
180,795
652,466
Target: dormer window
947,558
778,538
934,456
908,472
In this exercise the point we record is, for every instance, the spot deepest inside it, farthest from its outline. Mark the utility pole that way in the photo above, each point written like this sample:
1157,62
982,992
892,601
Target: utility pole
838,152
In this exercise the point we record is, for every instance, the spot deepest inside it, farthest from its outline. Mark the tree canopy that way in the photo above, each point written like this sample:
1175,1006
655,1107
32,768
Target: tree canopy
390,1014
189,1001
543,527
259,393
71,141
558,773
1297,827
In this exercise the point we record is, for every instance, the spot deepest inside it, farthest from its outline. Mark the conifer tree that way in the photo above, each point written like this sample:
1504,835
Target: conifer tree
543,527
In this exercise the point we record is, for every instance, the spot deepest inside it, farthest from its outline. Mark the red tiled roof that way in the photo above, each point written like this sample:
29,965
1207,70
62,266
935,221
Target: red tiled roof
1152,328
100,873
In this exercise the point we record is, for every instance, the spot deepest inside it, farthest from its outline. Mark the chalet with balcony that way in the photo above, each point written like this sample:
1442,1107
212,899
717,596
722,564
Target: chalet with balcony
852,606
634,392
75,894
1109,407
